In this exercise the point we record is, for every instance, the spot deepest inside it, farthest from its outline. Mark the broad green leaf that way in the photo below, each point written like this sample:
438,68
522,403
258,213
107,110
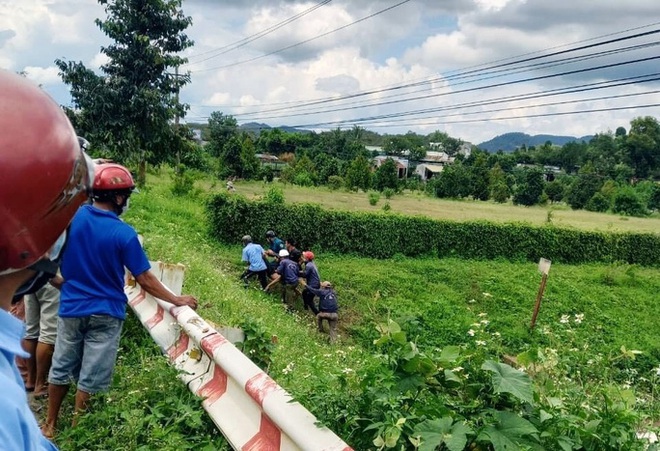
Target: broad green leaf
451,376
442,431
508,433
399,337
507,379
379,442
392,435
545,416
450,354
527,357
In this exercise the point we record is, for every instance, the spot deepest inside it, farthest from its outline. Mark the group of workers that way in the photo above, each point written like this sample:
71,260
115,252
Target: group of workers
282,265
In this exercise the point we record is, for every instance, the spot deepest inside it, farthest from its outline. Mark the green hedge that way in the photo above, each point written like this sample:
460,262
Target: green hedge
384,235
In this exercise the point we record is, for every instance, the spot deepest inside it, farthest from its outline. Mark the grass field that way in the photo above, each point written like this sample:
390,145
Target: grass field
591,317
416,203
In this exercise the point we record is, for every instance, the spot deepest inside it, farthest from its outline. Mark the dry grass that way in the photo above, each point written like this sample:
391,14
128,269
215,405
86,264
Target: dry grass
458,210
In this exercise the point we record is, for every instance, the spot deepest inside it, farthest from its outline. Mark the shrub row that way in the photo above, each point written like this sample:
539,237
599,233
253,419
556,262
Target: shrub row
384,235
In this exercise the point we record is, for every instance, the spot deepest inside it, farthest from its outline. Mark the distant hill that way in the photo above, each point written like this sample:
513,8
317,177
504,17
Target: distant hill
256,128
509,142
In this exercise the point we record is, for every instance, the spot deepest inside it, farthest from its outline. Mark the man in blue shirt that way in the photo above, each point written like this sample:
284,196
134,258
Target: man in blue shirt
328,308
275,245
254,256
312,279
92,301
45,178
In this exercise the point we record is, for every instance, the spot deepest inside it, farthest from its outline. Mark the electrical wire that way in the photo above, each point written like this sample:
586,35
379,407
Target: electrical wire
305,41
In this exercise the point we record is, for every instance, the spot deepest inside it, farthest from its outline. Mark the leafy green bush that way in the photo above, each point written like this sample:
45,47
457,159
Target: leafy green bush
274,196
387,207
303,179
184,182
627,202
374,198
598,202
335,182
382,236
388,192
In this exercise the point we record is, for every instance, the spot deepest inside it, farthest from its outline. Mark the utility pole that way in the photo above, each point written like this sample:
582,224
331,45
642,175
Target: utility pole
176,119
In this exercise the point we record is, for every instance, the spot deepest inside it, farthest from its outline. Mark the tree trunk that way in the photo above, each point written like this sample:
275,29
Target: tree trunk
142,173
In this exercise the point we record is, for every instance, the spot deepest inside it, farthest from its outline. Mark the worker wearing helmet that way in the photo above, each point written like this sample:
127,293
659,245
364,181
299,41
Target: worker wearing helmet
45,178
93,302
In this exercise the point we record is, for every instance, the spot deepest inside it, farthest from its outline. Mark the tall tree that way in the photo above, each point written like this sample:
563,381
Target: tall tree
386,176
129,109
358,174
643,146
222,128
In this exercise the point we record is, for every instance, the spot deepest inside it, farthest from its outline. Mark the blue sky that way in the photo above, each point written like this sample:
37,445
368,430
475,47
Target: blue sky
418,40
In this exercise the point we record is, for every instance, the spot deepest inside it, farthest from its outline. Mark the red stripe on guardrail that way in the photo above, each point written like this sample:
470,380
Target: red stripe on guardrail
210,342
260,386
157,318
137,299
267,439
179,347
214,388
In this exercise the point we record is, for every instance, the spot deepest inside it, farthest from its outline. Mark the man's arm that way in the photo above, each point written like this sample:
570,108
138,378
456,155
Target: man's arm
155,287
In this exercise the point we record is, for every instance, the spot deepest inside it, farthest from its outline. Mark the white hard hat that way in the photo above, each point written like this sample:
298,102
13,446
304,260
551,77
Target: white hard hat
284,253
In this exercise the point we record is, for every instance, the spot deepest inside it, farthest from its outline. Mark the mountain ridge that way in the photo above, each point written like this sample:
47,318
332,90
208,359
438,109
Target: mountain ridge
508,142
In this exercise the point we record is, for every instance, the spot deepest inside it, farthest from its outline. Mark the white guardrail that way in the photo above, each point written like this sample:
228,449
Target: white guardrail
247,406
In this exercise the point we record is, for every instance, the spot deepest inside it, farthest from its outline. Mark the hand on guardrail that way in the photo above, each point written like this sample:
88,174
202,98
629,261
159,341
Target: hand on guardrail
186,299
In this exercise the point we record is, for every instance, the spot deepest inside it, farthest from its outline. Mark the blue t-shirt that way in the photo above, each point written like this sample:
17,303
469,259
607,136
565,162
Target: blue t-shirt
18,427
277,245
311,275
254,254
288,269
99,246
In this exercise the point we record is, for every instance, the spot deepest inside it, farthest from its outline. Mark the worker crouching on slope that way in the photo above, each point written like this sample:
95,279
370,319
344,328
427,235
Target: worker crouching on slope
92,302
328,308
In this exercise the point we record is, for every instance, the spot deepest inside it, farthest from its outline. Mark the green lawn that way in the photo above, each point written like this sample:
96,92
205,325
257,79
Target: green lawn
416,203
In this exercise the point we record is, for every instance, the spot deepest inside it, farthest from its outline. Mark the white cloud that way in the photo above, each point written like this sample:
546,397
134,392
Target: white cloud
43,75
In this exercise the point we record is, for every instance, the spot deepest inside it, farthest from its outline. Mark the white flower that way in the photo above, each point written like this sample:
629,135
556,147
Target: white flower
487,295
564,319
497,334
347,370
457,369
579,317
288,368
481,315
471,333
475,325
472,301
657,371
485,322
480,343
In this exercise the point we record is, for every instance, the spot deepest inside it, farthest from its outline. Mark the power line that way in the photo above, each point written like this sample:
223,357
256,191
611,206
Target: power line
243,42
457,75
512,98
303,42
488,76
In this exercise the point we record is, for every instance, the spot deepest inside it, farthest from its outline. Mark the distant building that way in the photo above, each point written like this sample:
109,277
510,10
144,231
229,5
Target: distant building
265,158
436,157
428,171
401,164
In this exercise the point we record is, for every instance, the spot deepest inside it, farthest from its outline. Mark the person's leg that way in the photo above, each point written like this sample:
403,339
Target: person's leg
49,303
332,324
56,394
44,357
30,346
308,301
65,368
99,356
263,278
319,322
81,405
31,305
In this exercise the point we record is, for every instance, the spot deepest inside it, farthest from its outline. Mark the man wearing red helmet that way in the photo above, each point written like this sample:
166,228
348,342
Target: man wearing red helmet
92,302
312,279
45,178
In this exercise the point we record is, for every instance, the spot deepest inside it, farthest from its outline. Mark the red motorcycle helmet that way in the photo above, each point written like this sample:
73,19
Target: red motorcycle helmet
112,177
45,174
